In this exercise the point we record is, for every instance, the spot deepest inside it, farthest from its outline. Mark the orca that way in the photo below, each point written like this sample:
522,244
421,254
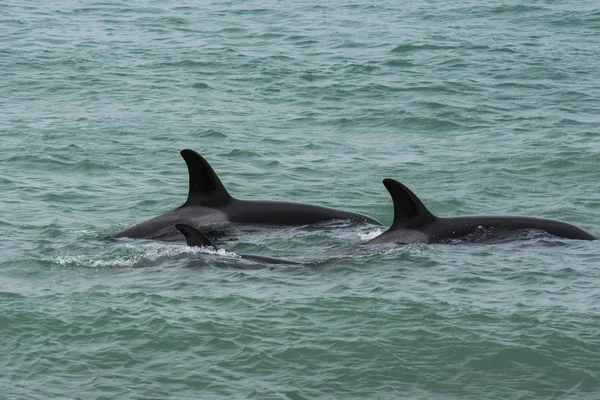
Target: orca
209,204
413,223
195,238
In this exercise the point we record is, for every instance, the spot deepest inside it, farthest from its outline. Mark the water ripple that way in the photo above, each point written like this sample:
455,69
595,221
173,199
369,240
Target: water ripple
480,108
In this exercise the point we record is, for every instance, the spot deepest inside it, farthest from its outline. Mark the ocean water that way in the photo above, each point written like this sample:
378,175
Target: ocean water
478,107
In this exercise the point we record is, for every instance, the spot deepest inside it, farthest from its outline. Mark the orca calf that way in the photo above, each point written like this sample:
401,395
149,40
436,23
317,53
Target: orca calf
209,203
413,223
195,238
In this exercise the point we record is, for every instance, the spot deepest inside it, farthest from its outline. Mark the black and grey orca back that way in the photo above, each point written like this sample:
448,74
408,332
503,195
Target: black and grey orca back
207,190
209,203
195,238
414,223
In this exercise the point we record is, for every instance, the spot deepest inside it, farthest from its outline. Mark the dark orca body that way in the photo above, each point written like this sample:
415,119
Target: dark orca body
413,223
195,238
209,203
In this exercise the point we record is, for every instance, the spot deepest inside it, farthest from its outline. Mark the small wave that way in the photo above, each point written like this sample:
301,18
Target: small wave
211,133
405,48
399,63
200,85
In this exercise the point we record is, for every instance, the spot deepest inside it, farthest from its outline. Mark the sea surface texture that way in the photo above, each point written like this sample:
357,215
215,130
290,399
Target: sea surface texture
480,107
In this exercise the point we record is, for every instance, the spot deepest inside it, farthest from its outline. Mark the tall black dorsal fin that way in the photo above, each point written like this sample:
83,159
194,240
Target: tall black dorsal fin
194,237
205,186
408,209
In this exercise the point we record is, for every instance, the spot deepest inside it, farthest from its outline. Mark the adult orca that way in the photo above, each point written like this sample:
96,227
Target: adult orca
209,203
195,238
413,223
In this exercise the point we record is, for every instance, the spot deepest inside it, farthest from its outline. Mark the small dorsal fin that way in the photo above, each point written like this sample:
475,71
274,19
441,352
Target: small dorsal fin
408,209
205,186
194,237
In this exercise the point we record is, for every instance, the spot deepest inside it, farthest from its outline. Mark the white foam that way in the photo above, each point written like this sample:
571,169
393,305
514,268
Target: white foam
69,261
137,253
220,252
370,235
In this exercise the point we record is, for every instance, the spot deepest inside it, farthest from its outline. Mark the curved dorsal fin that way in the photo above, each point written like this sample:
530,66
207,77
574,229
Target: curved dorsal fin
205,186
408,209
194,237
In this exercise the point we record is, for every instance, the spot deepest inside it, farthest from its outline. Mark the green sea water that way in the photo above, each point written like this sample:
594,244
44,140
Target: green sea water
478,107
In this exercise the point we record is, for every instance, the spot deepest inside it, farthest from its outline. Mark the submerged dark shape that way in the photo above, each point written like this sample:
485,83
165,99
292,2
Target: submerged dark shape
209,203
413,223
195,238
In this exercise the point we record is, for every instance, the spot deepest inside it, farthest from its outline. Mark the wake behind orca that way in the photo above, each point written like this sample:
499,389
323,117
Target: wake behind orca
209,204
413,223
